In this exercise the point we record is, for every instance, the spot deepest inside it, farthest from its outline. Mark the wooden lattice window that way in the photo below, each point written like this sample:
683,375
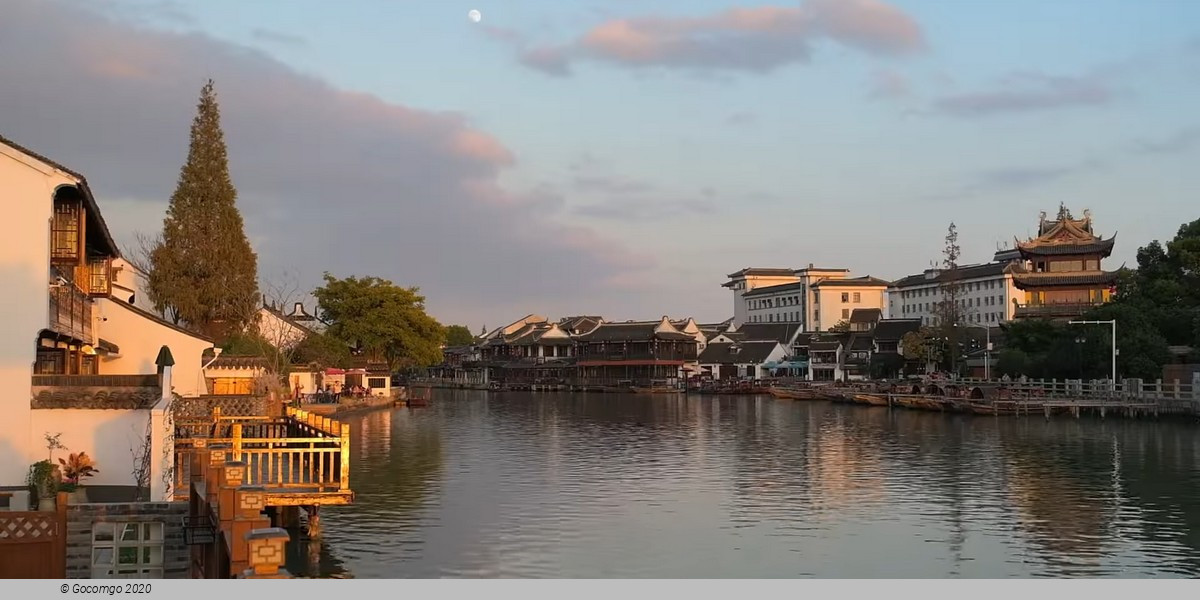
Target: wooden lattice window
99,276
66,232
50,361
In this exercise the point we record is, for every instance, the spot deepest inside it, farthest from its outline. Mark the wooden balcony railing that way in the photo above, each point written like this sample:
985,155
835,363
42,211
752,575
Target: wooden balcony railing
300,458
70,312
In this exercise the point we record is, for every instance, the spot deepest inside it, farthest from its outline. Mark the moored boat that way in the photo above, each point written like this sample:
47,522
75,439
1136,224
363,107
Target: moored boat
871,399
656,390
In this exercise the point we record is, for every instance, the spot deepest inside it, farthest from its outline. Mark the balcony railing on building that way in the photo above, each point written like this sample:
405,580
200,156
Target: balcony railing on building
300,459
1055,309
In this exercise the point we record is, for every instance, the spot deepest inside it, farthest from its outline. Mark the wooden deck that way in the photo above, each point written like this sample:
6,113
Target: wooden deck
300,459
1130,397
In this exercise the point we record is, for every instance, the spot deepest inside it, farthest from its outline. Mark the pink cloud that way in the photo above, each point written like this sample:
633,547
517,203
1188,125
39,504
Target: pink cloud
751,39
327,178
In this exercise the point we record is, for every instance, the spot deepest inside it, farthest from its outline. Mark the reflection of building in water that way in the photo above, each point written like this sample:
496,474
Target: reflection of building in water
375,434
1060,513
844,464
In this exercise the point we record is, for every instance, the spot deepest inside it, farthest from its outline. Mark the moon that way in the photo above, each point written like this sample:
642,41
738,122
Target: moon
475,16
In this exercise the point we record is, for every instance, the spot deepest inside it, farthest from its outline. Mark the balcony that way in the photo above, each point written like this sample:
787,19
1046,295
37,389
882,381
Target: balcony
124,392
70,312
1058,310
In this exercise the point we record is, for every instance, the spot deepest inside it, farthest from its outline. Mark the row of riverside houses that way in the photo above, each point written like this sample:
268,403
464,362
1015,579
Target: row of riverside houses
816,323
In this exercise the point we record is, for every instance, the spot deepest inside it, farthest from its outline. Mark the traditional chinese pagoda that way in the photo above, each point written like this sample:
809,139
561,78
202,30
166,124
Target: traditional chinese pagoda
1062,277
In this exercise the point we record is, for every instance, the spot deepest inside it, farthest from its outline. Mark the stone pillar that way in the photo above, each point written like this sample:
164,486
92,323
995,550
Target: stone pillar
265,552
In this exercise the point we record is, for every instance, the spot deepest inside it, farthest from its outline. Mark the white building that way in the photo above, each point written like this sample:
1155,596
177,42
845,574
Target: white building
286,330
76,358
987,294
812,297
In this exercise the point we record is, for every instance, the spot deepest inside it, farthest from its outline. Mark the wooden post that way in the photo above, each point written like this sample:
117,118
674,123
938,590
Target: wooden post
344,454
236,436
249,504
265,550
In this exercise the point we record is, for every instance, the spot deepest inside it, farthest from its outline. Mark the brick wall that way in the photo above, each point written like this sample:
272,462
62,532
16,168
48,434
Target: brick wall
81,517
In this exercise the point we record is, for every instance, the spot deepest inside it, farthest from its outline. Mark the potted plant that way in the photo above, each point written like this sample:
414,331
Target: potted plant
75,468
43,483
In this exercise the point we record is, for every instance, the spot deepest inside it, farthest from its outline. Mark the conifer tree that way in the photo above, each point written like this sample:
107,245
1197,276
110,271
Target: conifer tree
204,274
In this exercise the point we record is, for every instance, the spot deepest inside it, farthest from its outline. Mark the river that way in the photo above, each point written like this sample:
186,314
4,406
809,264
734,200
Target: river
612,485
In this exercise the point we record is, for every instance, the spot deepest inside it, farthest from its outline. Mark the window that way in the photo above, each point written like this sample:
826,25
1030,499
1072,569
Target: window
66,247
377,382
99,272
127,550
845,313
845,296
857,297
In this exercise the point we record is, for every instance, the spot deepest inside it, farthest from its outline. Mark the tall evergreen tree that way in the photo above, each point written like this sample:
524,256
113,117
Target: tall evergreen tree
950,311
204,272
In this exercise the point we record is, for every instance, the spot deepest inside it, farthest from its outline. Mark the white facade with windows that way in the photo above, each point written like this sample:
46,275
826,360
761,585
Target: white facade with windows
777,295
987,295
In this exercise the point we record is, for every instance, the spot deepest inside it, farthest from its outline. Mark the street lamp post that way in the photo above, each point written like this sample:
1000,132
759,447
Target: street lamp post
987,351
1112,322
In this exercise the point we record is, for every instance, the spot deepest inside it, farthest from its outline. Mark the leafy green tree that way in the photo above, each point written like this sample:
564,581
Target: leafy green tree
385,320
203,273
323,351
922,345
1012,362
459,335
840,327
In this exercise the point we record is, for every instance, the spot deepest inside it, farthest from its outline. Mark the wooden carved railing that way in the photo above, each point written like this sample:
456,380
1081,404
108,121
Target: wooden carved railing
300,452
239,542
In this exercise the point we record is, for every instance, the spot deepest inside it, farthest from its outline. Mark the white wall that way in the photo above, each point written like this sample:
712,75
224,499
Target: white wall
140,337
987,300
830,308
106,436
277,331
741,313
127,282
27,187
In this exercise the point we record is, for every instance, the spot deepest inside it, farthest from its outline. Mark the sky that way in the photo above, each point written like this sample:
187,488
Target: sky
619,158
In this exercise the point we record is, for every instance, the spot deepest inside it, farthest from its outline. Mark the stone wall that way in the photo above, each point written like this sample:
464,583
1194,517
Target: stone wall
81,517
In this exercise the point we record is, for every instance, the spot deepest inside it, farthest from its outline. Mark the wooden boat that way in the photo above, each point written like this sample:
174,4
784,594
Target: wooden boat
784,393
656,390
871,399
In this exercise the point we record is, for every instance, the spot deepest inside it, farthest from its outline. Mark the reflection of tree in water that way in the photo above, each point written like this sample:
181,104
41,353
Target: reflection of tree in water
1158,464
1084,487
396,464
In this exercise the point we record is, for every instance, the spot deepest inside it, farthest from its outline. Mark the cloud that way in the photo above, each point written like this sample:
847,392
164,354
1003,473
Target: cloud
1026,92
608,184
625,209
756,39
328,179
1027,177
741,118
278,37
888,84
1179,142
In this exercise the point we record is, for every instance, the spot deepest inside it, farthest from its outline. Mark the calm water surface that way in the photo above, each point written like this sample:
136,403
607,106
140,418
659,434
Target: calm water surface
608,485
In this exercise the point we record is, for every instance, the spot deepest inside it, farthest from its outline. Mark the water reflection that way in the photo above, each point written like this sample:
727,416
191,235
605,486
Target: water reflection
577,485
